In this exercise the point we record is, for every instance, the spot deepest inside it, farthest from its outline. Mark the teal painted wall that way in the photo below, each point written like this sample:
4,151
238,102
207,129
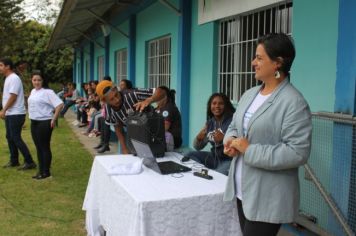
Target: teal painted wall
117,42
154,22
315,31
98,51
203,71
86,59
77,72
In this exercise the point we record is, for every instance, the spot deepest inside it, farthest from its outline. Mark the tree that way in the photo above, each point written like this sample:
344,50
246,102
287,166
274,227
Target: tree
10,15
32,40
27,40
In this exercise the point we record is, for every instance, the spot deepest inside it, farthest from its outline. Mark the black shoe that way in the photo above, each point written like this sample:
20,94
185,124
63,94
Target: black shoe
10,164
82,125
36,176
43,176
98,146
103,149
27,166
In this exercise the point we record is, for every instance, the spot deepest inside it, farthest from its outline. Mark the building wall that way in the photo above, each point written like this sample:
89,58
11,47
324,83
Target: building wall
315,31
154,22
86,59
117,42
203,70
314,74
98,51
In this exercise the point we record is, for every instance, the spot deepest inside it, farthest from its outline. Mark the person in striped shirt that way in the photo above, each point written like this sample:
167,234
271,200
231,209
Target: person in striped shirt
120,103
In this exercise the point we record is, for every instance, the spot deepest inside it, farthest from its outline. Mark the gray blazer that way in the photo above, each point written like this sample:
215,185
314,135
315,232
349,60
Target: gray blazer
279,134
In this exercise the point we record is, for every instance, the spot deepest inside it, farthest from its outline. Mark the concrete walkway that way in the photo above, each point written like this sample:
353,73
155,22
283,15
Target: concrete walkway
87,142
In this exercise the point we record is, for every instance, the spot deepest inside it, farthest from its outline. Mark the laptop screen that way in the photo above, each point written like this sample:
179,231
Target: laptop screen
144,151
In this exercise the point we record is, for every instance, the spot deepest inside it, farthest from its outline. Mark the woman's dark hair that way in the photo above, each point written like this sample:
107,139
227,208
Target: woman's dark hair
279,45
44,79
228,107
7,62
128,83
171,94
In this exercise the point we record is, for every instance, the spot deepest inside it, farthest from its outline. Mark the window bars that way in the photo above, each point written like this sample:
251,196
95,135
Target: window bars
121,64
238,37
159,62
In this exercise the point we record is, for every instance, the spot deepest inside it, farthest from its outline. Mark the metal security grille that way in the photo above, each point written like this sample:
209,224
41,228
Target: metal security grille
121,64
100,67
159,62
237,45
328,193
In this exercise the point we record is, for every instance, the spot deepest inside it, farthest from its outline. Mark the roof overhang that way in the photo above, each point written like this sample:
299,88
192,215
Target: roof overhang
80,19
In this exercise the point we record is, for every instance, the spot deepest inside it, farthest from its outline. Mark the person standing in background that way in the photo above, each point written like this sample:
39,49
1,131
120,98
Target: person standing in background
41,104
14,113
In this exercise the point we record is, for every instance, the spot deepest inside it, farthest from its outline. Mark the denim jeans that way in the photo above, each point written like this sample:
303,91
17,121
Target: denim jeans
221,165
14,124
67,105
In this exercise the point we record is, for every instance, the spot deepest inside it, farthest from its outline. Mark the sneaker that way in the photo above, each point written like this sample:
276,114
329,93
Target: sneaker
10,164
27,166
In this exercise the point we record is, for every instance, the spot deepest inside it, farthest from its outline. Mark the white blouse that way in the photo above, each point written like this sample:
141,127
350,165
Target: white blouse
42,103
257,103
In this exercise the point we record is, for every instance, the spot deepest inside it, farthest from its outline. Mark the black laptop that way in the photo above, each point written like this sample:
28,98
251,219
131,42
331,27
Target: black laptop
164,167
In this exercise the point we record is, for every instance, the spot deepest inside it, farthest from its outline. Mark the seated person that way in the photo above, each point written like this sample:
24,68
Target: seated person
119,103
219,116
172,119
70,98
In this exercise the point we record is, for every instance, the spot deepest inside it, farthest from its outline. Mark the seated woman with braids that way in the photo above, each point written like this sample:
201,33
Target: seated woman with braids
219,116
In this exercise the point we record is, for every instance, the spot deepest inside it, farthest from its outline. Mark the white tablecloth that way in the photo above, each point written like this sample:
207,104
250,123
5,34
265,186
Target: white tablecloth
152,204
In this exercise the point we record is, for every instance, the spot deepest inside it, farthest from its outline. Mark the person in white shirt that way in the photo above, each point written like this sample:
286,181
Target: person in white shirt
44,107
14,114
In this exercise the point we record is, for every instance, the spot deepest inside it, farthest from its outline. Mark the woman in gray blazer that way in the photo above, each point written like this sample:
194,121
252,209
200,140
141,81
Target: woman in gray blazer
268,139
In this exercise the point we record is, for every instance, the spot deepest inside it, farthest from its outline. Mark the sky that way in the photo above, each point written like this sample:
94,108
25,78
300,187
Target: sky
39,9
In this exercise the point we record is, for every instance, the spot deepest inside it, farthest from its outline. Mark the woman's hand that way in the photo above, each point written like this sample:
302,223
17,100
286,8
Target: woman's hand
218,136
202,134
229,150
53,123
240,144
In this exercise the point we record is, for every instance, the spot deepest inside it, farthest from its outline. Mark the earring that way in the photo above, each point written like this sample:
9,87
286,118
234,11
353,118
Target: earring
277,75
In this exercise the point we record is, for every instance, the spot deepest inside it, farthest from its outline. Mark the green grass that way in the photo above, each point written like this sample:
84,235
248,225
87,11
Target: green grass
47,207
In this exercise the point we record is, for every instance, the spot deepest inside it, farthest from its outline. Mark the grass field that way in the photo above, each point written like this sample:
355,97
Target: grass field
45,207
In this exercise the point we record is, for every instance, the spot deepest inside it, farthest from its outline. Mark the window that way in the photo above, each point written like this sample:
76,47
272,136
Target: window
121,64
237,44
87,71
159,62
100,67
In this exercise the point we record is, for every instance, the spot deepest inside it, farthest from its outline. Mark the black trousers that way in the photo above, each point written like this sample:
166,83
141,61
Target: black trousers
41,132
14,124
254,228
105,132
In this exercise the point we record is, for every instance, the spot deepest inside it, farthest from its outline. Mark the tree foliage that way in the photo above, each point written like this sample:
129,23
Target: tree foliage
27,40
10,16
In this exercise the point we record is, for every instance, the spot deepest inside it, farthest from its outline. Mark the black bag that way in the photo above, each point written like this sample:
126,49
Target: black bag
147,127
